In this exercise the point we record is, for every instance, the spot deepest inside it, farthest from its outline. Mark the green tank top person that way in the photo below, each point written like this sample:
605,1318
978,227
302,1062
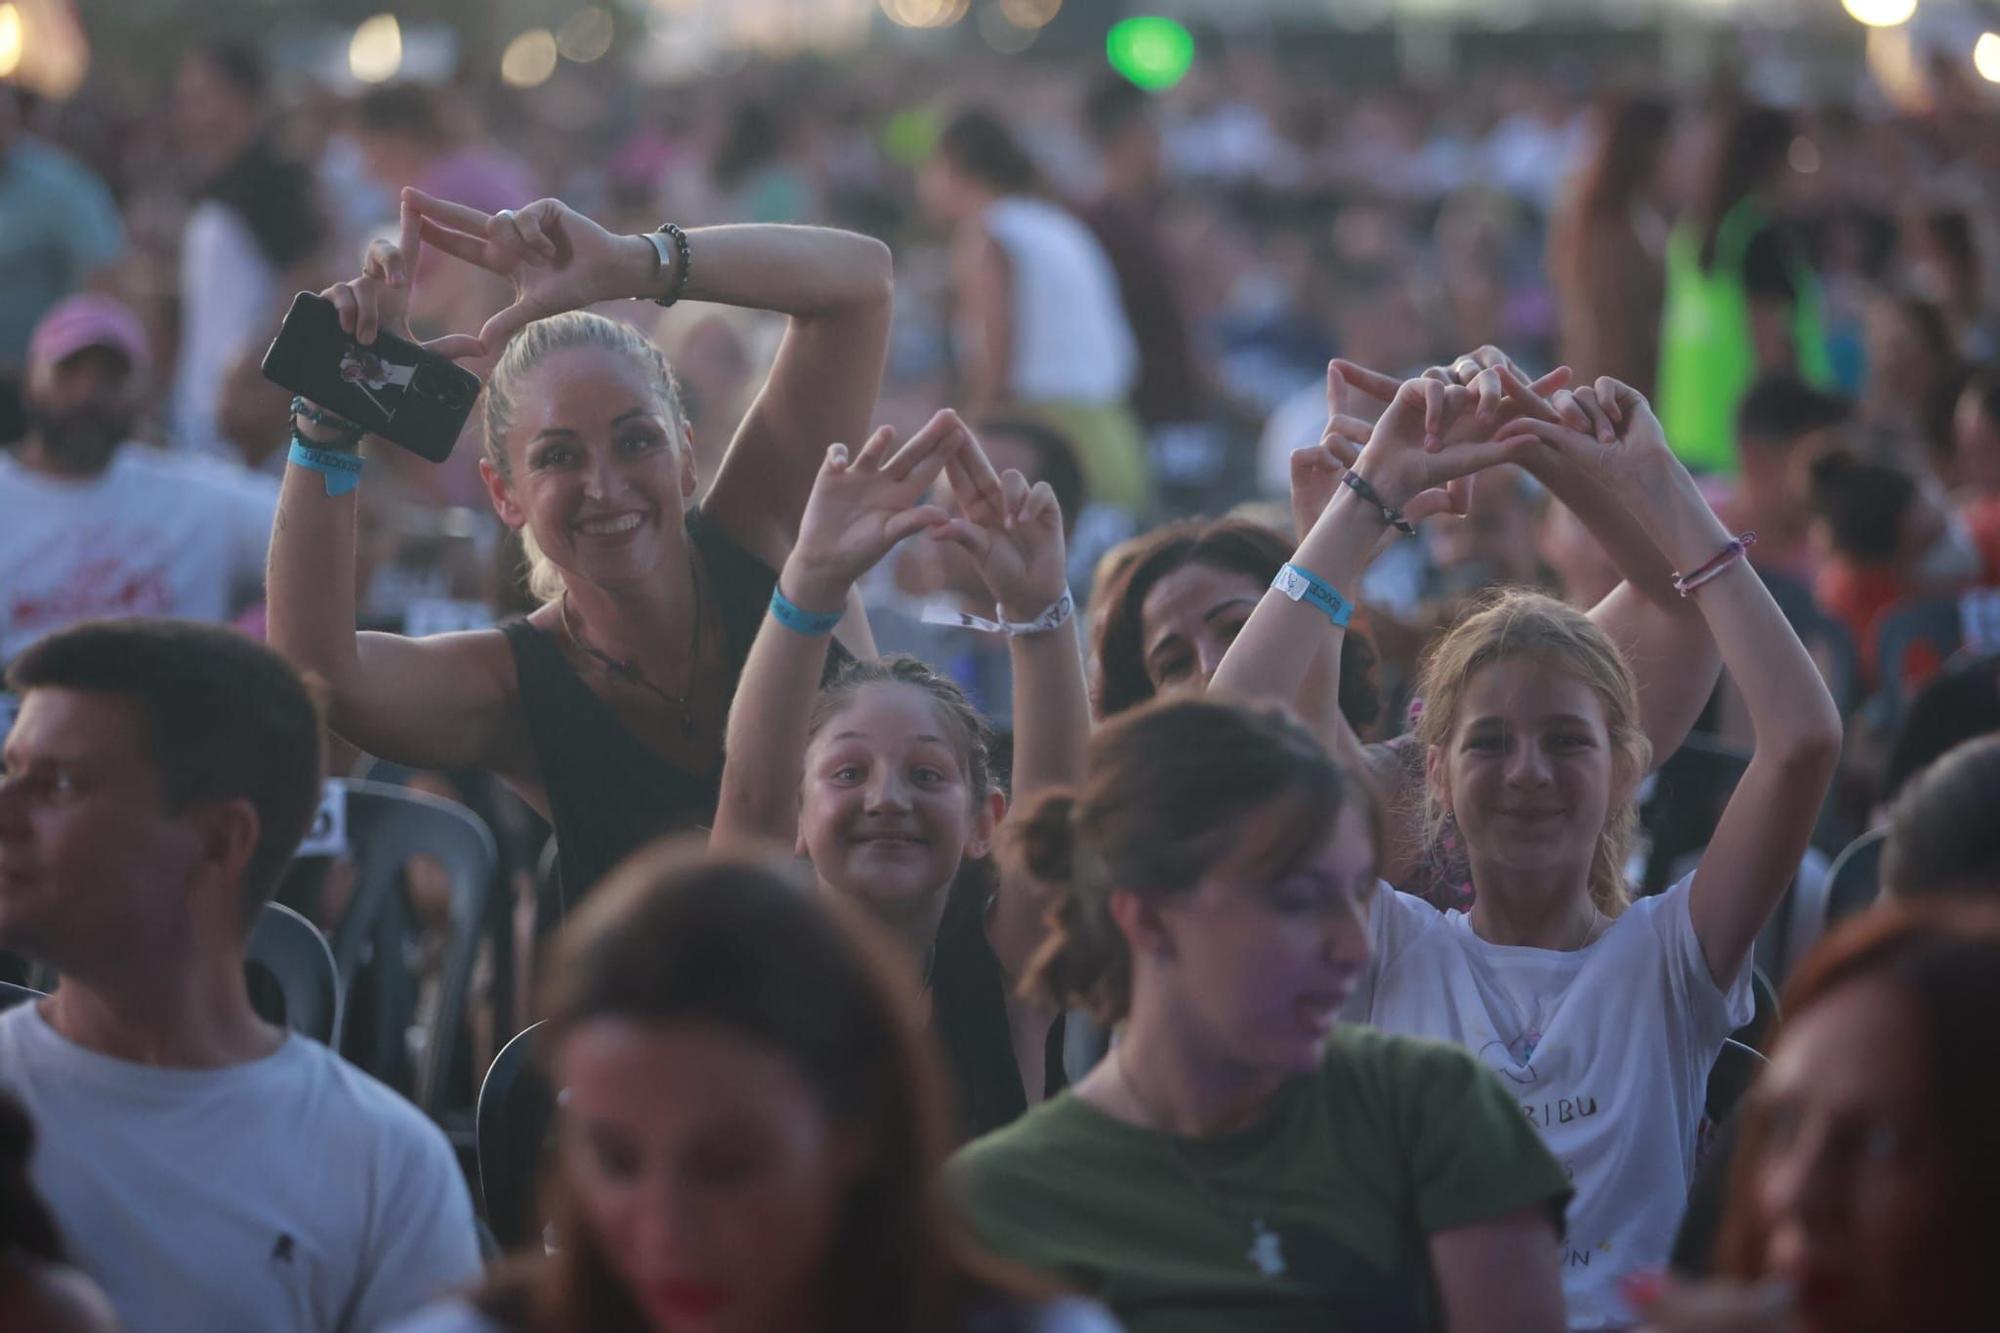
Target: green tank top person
1707,356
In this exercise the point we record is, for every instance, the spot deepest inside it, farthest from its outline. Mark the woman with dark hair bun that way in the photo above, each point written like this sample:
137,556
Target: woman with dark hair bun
750,1128
1242,1159
1862,1195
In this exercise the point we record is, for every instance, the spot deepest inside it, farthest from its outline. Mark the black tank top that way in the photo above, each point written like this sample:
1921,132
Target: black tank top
969,1015
609,792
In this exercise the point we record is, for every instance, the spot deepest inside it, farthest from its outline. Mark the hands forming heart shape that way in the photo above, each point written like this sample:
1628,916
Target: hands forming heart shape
556,258
1444,427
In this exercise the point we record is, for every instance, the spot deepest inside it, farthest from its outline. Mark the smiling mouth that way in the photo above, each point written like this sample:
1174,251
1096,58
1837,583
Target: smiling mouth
610,527
889,840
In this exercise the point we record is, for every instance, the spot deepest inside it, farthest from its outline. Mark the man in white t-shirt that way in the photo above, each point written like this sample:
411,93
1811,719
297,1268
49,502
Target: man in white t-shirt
92,525
211,1172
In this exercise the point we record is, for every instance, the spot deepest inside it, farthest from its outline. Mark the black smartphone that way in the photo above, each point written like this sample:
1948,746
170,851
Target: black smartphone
396,389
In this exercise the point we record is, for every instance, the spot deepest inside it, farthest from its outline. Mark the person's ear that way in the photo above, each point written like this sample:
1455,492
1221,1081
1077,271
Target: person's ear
986,819
228,832
1142,923
501,493
1437,777
690,476
1626,775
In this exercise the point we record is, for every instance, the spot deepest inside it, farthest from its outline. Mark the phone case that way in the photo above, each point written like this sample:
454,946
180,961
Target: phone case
408,396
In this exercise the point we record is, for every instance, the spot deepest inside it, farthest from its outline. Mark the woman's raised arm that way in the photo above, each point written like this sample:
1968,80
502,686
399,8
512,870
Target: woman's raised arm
1763,831
433,703
859,508
836,286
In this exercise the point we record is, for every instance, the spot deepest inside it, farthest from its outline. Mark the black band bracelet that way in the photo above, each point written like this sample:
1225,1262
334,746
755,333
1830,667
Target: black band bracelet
350,434
1390,514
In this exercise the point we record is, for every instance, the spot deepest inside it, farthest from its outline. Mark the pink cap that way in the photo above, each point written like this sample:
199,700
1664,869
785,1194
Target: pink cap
88,320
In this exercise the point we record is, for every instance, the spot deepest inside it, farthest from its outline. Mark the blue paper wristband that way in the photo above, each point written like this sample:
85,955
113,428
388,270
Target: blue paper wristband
1302,585
342,470
810,623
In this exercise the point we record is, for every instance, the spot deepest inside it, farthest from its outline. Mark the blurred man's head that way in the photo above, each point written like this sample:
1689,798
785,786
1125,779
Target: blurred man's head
400,131
1119,118
159,777
218,101
87,362
977,160
1943,837
1783,418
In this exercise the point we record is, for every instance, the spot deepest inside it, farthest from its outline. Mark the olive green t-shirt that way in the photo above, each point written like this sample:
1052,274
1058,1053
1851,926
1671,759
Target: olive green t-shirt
1316,1217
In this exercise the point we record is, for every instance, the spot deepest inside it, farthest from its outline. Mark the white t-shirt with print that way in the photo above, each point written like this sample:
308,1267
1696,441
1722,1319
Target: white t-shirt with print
292,1192
1608,1049
154,534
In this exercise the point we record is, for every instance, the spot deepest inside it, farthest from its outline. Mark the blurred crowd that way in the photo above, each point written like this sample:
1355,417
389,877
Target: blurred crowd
1134,299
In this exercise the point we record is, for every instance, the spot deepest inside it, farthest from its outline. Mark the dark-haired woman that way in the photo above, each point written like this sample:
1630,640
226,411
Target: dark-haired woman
1741,299
1861,1198
1039,322
1241,1160
750,1129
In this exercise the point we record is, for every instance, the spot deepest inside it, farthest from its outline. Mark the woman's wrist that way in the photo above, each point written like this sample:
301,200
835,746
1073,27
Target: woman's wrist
323,430
810,586
640,272
1026,606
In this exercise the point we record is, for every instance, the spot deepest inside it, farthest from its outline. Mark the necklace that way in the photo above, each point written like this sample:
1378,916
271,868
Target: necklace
630,672
1266,1253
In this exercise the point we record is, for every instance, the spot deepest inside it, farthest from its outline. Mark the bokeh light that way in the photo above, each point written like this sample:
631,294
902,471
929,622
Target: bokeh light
1003,34
1030,13
375,53
11,43
529,59
586,36
1880,13
925,13
1154,53
1986,56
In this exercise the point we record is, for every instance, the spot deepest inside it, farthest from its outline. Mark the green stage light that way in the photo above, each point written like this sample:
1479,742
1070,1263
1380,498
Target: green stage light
1154,53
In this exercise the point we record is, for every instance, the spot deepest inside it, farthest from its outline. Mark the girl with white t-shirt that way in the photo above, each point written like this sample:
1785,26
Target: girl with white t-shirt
1604,1015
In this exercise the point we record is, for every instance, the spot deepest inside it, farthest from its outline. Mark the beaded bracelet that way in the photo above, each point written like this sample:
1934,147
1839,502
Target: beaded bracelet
682,251
1390,514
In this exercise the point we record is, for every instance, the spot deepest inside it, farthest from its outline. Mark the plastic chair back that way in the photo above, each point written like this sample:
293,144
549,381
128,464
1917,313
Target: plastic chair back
1856,878
291,964
386,827
11,994
516,1109
1735,1070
